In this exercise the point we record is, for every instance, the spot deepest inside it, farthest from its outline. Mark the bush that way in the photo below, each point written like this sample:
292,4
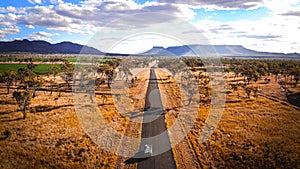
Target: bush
6,133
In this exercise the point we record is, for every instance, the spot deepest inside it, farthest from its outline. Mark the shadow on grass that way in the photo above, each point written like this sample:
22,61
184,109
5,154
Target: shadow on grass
294,99
3,138
4,93
7,102
9,120
38,109
5,112
101,104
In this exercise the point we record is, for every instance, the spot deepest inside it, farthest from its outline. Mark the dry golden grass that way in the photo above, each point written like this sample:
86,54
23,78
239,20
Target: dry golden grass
47,139
252,133
52,137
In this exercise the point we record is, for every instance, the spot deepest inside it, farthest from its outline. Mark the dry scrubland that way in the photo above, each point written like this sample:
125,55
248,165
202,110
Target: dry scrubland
51,136
252,133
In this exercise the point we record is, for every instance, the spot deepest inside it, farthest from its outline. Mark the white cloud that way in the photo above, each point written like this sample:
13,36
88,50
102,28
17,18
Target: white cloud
88,16
282,6
35,1
56,1
4,31
11,9
273,34
46,34
30,26
186,12
218,4
142,43
40,36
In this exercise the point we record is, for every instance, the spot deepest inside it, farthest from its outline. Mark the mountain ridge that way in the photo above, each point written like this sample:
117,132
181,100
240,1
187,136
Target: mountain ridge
40,46
209,50
66,47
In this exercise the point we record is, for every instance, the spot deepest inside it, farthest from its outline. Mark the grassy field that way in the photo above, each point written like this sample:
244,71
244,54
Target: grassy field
40,68
52,137
253,132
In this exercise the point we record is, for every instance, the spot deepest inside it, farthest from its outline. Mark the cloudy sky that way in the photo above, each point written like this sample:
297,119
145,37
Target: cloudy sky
263,25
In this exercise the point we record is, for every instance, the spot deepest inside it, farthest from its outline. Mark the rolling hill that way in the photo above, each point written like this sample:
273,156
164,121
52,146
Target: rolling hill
215,50
43,47
26,46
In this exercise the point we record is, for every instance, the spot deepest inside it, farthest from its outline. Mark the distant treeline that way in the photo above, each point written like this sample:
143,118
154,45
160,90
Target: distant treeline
6,59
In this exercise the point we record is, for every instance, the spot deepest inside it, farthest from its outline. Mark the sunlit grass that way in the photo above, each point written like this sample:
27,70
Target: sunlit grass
40,68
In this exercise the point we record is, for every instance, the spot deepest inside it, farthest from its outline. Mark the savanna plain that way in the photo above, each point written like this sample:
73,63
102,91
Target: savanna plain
39,128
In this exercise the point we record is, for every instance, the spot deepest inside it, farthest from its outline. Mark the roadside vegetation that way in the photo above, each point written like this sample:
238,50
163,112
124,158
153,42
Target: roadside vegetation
259,127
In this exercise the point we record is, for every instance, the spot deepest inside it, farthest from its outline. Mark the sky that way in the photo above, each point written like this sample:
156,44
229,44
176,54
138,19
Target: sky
130,26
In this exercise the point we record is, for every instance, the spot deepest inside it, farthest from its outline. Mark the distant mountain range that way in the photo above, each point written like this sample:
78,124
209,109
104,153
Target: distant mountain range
26,46
213,50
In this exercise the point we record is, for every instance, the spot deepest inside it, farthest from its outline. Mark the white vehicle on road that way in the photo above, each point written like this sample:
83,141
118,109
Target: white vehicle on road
148,150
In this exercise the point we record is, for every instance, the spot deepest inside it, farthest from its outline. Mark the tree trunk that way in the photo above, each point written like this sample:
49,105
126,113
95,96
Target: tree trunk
54,75
34,93
8,87
109,81
24,112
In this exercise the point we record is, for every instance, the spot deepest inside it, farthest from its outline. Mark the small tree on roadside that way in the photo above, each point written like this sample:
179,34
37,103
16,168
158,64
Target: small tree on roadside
30,80
37,82
54,70
52,84
255,76
8,78
296,79
234,87
23,100
104,98
248,91
26,76
255,92
189,84
68,68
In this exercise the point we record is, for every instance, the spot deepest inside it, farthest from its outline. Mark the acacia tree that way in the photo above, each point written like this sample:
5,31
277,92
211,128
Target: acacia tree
248,91
54,70
255,76
124,69
23,100
31,82
255,92
107,70
26,77
8,78
52,83
296,79
68,68
189,84
234,87
37,82
175,66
